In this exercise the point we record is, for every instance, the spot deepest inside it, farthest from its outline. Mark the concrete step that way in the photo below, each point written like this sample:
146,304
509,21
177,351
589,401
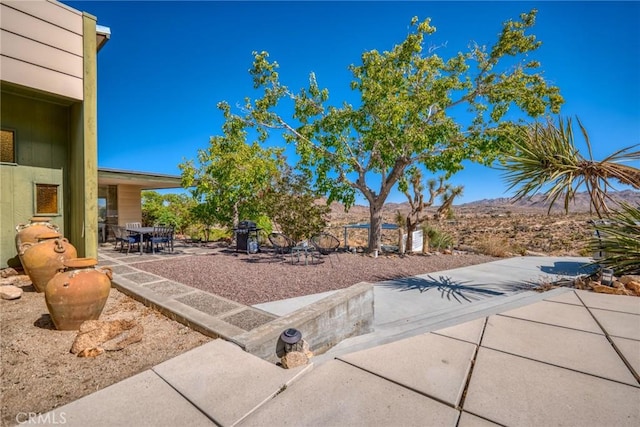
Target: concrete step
427,322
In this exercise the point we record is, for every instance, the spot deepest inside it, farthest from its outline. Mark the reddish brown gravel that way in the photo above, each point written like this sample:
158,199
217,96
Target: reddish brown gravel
259,278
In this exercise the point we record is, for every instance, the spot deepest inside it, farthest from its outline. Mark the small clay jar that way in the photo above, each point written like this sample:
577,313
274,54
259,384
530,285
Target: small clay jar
77,293
28,233
43,259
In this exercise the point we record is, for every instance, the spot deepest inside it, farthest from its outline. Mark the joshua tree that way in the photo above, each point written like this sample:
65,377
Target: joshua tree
417,215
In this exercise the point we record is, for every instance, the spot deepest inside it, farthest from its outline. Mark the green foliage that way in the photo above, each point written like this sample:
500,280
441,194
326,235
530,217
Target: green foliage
170,209
437,239
546,159
619,240
231,176
205,218
406,114
293,206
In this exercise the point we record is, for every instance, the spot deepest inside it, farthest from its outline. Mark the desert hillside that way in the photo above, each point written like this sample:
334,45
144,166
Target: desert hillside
495,226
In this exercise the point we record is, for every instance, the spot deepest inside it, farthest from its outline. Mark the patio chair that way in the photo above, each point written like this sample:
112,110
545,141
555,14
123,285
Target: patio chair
133,225
281,243
162,235
326,244
117,233
125,237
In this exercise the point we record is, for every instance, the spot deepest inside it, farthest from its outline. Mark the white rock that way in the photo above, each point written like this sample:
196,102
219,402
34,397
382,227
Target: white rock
10,292
20,280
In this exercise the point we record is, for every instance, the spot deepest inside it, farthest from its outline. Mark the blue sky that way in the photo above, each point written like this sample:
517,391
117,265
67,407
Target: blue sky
169,63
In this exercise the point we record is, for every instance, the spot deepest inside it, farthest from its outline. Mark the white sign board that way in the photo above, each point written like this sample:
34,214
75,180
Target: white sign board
417,241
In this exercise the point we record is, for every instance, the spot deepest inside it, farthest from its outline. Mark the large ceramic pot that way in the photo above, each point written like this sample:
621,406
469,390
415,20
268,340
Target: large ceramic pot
43,259
77,293
30,231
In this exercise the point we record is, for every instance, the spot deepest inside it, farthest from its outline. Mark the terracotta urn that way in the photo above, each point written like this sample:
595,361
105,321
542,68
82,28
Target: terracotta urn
42,260
77,293
28,232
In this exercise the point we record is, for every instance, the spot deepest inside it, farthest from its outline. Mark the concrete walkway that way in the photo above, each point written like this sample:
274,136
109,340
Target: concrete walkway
505,357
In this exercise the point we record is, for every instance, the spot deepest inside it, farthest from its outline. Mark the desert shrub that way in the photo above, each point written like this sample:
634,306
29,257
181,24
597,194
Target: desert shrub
437,239
217,234
619,240
494,246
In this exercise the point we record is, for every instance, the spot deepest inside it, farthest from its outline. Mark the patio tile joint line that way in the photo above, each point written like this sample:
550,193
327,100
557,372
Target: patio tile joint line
187,399
635,374
465,389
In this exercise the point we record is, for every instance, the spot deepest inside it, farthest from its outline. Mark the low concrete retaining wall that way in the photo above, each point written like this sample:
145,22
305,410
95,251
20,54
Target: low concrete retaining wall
346,313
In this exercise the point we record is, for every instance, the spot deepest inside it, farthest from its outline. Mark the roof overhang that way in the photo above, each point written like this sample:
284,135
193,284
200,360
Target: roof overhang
103,34
143,180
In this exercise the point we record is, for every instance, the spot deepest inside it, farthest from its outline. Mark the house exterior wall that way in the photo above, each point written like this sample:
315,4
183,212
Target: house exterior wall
42,47
48,80
129,204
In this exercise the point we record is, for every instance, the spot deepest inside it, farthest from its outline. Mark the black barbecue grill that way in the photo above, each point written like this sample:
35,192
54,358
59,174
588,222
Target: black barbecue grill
245,232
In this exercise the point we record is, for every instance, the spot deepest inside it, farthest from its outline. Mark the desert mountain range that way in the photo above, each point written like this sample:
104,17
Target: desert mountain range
534,205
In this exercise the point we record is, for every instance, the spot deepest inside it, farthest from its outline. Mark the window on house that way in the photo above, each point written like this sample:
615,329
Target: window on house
8,146
46,199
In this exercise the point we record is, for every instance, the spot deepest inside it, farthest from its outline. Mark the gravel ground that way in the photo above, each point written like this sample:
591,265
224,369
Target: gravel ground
263,277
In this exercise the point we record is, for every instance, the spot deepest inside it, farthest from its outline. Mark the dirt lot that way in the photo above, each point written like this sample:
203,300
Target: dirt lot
38,372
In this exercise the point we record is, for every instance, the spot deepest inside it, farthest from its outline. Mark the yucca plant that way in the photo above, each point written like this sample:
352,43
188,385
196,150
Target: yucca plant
618,239
546,159
436,238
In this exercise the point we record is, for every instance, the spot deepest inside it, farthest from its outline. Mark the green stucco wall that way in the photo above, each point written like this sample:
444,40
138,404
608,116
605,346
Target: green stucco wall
41,138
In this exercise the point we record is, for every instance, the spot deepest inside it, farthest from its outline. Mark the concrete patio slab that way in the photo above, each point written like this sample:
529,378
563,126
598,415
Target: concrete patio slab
567,298
618,324
142,400
338,394
558,346
225,382
470,420
630,350
559,314
440,365
626,304
512,390
468,331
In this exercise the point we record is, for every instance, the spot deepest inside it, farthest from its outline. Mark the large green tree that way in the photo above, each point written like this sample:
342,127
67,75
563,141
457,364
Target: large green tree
409,113
231,175
293,206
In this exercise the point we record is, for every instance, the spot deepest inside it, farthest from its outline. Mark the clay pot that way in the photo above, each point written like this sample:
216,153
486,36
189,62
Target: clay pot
77,293
43,259
28,232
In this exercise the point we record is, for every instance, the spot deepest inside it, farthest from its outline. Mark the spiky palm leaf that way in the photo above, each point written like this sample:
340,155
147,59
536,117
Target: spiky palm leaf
546,158
619,240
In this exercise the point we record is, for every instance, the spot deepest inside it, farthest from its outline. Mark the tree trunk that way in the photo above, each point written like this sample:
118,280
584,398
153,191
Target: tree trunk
411,227
375,227
401,246
236,215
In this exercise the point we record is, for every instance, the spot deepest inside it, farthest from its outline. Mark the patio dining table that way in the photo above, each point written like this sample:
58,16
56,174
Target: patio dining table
141,231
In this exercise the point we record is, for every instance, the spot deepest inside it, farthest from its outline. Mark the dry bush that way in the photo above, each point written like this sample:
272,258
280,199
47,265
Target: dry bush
494,246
